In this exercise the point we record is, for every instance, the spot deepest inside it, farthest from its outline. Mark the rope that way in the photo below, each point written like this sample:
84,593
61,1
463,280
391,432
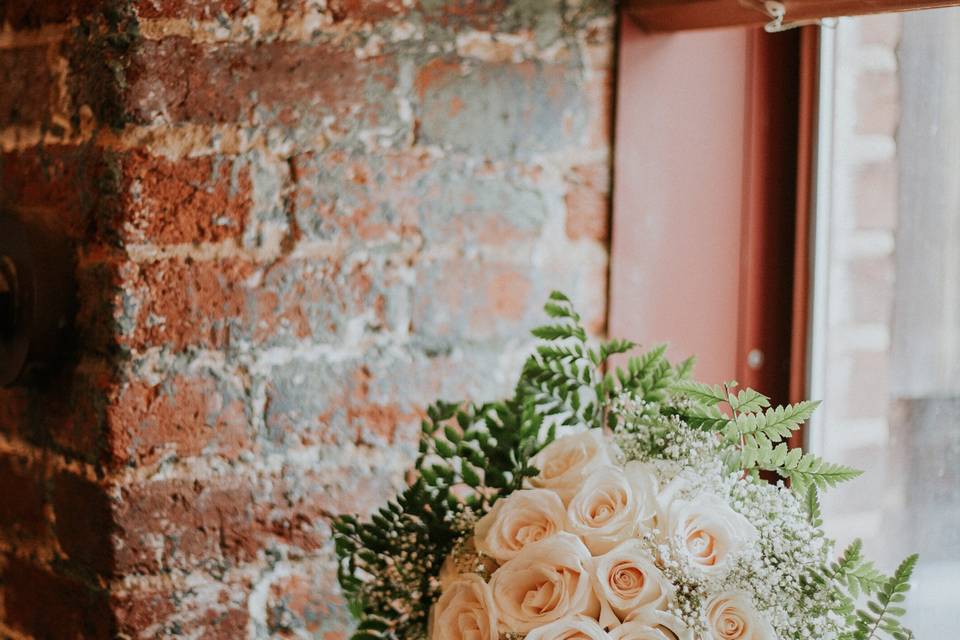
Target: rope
777,12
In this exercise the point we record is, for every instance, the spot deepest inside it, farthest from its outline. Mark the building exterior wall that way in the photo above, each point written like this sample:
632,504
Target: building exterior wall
295,223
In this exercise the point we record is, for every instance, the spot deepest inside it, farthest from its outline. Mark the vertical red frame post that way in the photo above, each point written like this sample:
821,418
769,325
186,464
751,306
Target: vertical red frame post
734,210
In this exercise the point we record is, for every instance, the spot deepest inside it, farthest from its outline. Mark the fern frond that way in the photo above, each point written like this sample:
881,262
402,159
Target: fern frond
748,401
706,394
802,469
812,507
883,612
773,424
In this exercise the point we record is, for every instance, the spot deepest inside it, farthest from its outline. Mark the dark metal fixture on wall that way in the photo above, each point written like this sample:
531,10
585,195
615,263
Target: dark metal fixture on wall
36,299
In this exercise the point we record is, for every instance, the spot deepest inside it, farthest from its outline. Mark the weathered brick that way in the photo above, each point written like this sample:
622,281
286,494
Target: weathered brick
26,67
60,185
876,195
22,510
26,14
180,303
307,601
231,303
177,80
71,610
83,521
182,416
361,10
211,609
588,202
500,109
192,9
319,403
877,100
881,29
63,411
226,521
180,524
203,199
366,197
483,300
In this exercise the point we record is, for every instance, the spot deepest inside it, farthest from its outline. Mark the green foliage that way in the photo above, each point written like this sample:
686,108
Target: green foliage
802,469
470,455
883,612
853,573
811,505
772,425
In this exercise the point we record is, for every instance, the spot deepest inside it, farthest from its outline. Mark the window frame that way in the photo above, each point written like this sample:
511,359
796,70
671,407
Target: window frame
772,211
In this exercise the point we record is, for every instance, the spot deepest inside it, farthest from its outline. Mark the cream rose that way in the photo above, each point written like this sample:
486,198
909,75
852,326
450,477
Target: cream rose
732,616
629,581
611,505
652,625
464,611
708,532
546,581
566,462
572,628
524,517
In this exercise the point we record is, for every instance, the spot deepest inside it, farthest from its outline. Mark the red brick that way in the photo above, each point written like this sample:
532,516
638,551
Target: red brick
322,404
365,197
193,200
226,521
588,203
83,522
22,510
184,415
61,186
139,609
64,411
359,10
305,602
216,304
27,69
500,109
24,14
54,607
177,79
214,609
179,524
183,303
191,9
482,300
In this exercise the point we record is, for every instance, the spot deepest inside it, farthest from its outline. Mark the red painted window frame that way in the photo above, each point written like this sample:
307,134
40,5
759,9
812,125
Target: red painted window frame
771,206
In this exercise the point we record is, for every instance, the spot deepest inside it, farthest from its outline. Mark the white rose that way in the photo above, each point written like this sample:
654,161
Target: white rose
629,580
464,611
547,581
566,462
732,616
524,517
572,628
652,625
611,506
708,532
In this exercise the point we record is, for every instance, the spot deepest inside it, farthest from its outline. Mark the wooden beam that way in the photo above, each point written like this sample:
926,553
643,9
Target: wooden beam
681,15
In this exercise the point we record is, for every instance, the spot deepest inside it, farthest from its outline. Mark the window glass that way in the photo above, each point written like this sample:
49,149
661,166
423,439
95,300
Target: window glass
886,333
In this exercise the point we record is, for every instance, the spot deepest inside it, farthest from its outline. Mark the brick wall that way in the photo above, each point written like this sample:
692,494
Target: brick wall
295,222
861,228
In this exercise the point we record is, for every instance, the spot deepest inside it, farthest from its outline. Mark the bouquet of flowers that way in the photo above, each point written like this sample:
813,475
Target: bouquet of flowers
631,504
